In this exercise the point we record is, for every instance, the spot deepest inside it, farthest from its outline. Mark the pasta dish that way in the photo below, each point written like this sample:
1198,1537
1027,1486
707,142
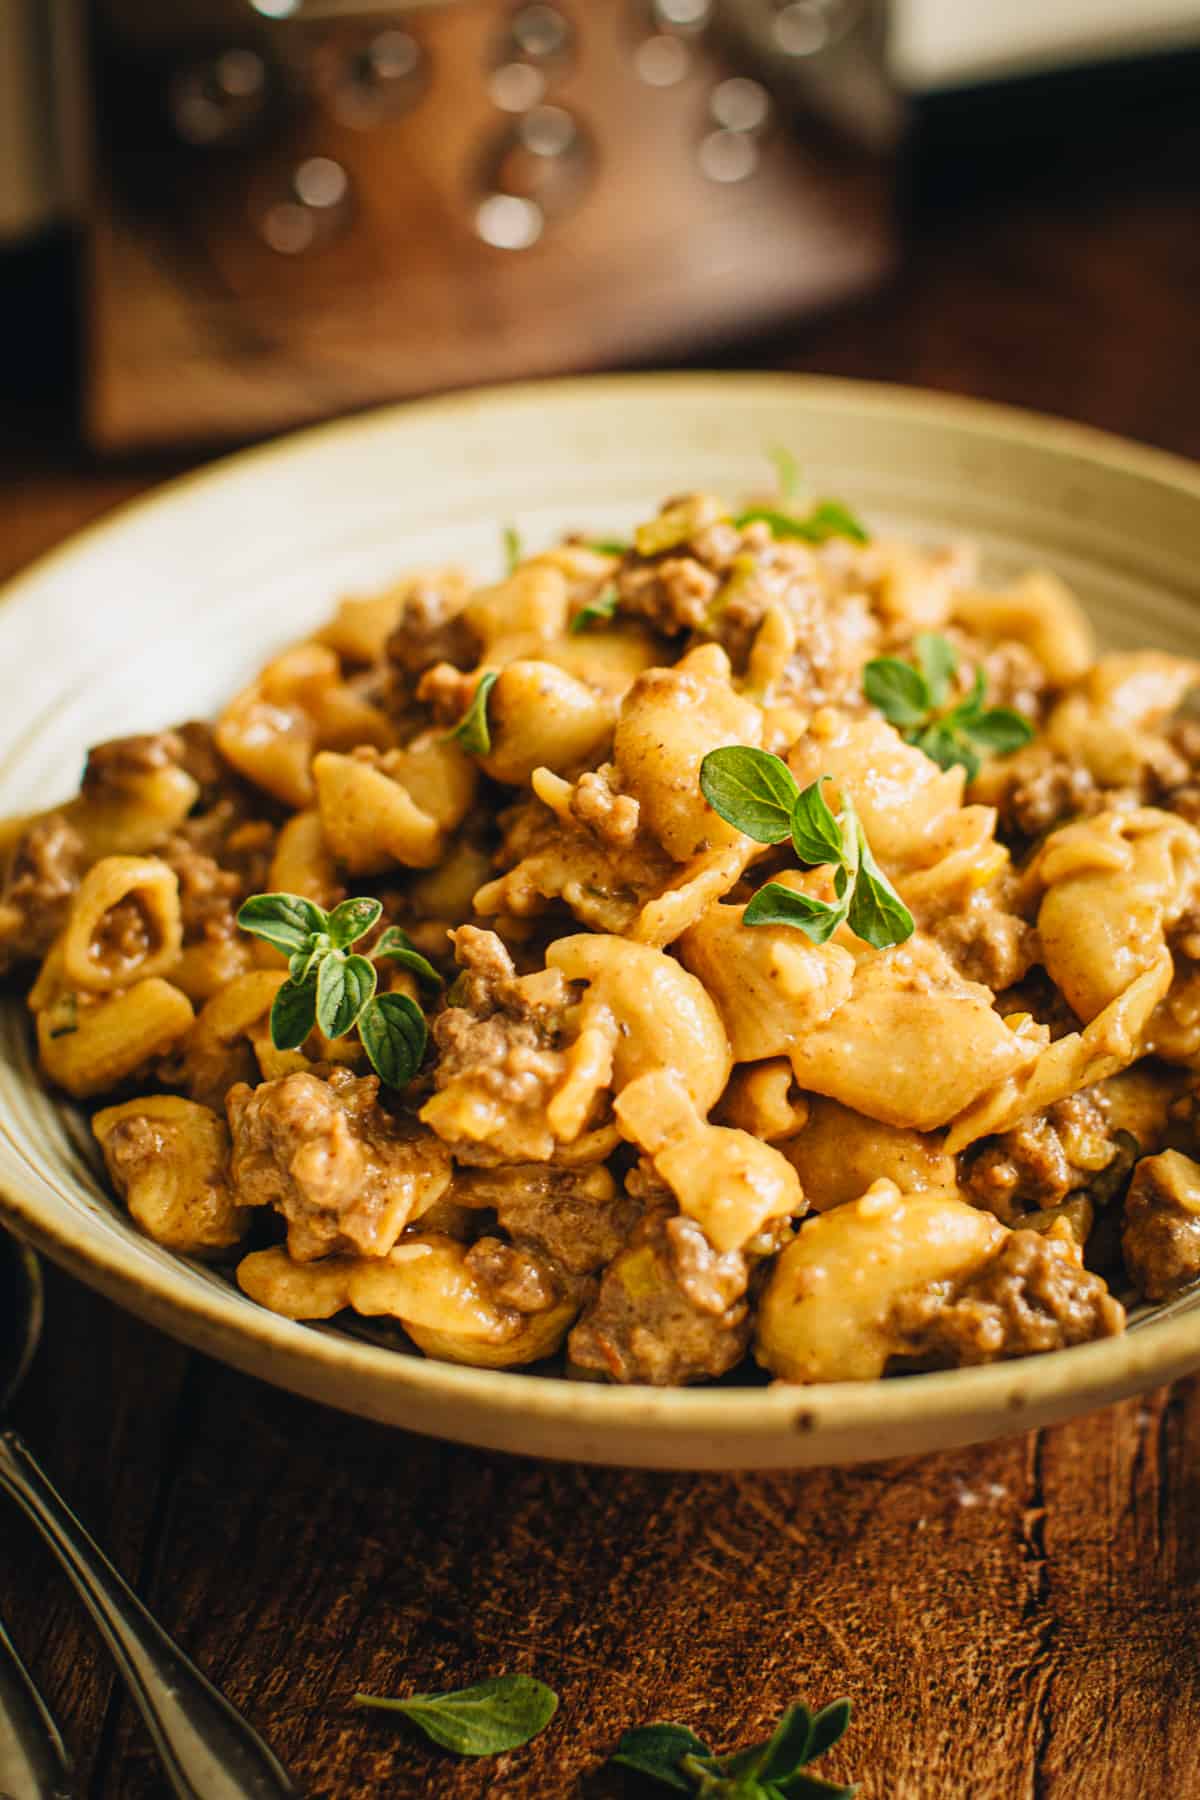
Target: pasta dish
758,945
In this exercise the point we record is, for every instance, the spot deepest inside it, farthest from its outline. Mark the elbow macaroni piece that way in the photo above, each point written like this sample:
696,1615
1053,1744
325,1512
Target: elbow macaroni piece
98,962
425,1284
644,1013
827,1306
770,984
397,810
168,1159
299,705
1039,611
540,716
914,1043
670,720
729,1182
838,1154
1113,885
112,1038
903,799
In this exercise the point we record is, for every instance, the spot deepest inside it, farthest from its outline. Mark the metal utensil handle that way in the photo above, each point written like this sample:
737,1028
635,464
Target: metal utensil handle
34,1764
208,1750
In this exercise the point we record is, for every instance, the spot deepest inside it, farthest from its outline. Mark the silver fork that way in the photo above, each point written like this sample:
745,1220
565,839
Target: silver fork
34,1762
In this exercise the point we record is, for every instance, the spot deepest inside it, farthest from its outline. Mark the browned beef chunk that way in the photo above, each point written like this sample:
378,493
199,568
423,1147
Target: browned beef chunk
1032,1295
1048,1156
1160,1238
325,1154
42,877
578,1216
669,1309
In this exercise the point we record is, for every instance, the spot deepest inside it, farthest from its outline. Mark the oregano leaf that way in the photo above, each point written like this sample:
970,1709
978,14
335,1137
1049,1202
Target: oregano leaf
398,947
596,612
352,920
751,790
828,519
775,904
816,834
829,1726
876,912
485,1719
970,707
1000,731
472,730
394,1034
900,692
937,660
293,1014
657,1752
344,986
288,921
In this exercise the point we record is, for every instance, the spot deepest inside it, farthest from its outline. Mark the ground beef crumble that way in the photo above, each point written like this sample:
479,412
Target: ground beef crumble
1045,1158
497,1042
1029,1297
577,1216
645,1326
1160,1237
38,888
430,630
344,1173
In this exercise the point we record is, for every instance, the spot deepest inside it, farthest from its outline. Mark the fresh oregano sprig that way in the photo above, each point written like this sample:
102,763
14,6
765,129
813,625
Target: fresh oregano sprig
776,1769
473,732
598,611
757,793
913,697
484,1719
331,986
510,537
827,519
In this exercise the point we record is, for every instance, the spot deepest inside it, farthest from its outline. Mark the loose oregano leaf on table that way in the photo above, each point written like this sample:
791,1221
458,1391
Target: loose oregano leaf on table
485,1719
332,987
776,1769
657,1751
913,697
757,793
472,731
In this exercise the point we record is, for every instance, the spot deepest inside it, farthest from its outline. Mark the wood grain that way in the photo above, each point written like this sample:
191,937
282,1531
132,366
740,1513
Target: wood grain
1017,1622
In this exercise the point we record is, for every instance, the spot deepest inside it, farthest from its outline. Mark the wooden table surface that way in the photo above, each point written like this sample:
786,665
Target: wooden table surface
1017,1620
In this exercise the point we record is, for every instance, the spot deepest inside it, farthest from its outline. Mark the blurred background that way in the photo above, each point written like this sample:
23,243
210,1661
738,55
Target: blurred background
223,217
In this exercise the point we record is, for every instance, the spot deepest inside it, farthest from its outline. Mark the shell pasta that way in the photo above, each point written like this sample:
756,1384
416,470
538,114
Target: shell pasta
762,945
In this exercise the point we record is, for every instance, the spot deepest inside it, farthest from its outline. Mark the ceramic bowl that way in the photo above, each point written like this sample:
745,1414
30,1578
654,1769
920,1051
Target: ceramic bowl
160,612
